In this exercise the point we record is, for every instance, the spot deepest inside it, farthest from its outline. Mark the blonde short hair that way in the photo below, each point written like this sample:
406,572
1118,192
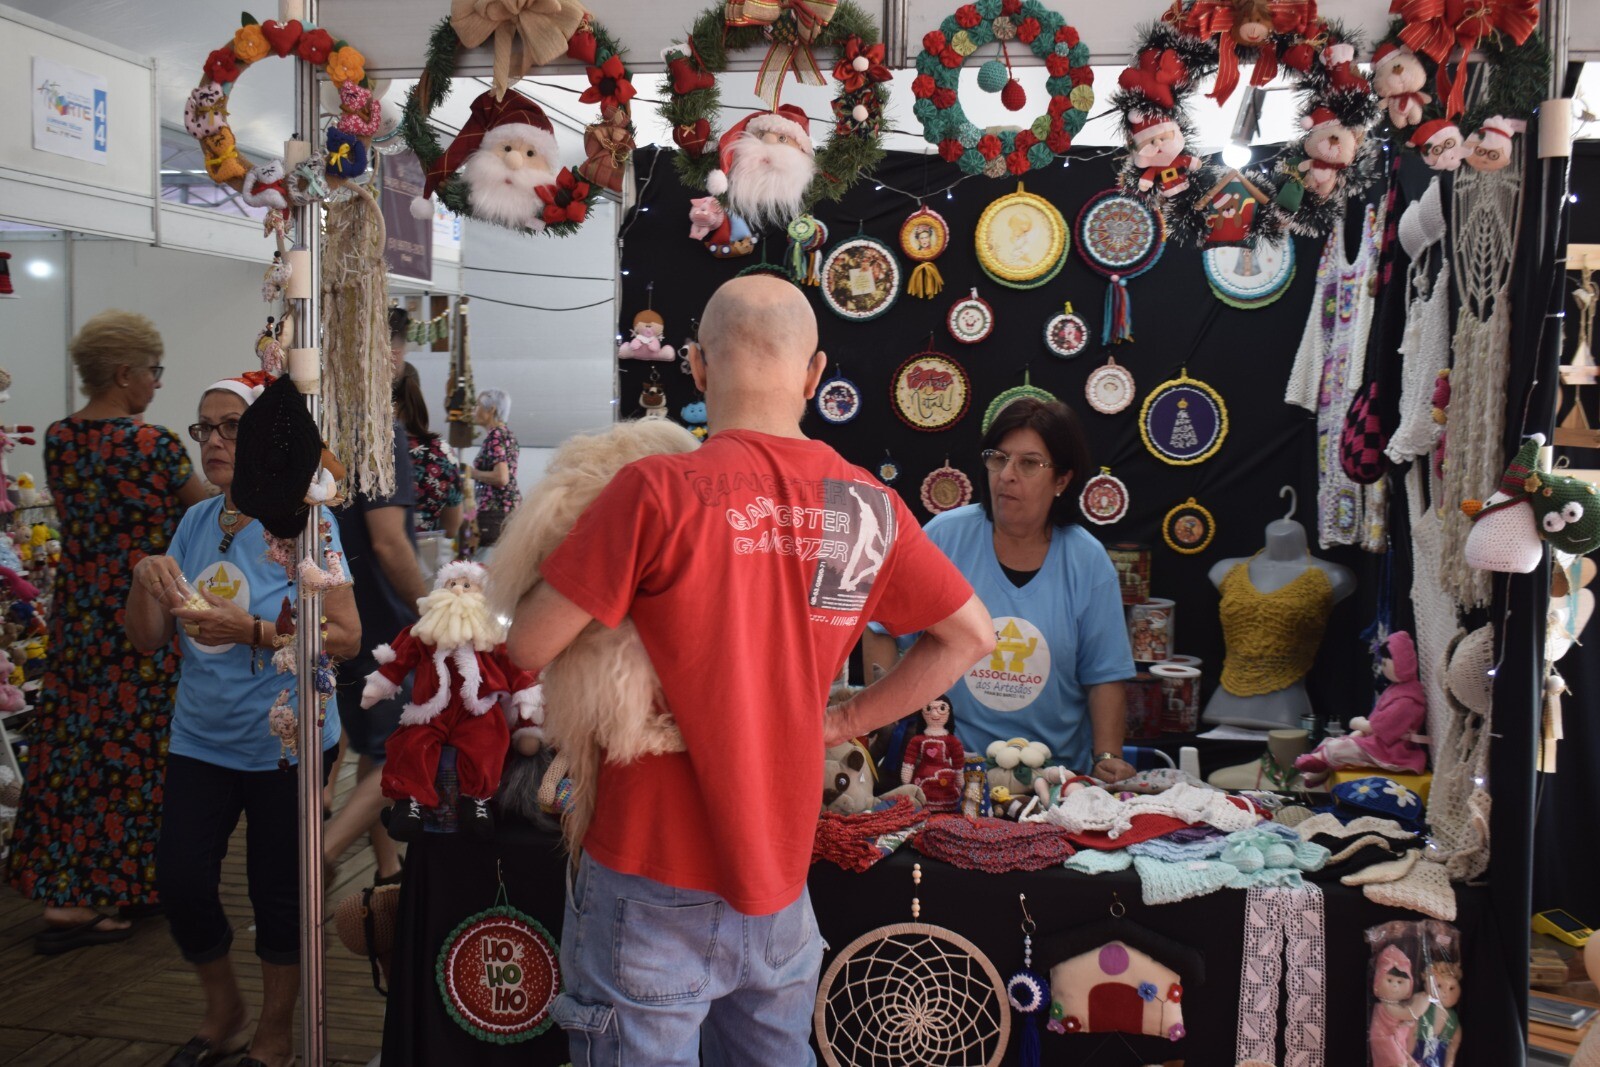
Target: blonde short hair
110,340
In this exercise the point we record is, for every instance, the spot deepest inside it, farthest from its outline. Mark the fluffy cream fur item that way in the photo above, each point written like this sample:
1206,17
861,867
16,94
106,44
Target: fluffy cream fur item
602,692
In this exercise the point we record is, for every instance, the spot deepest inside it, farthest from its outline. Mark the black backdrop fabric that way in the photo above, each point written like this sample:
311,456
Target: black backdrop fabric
1179,325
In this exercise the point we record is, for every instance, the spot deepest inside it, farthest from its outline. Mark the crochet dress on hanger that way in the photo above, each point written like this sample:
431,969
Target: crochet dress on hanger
1425,346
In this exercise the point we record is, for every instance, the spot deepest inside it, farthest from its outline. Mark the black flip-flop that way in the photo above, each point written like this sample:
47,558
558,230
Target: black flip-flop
80,935
200,1050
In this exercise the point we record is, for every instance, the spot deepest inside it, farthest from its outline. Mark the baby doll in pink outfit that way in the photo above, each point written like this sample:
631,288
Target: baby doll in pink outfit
1388,739
1394,1020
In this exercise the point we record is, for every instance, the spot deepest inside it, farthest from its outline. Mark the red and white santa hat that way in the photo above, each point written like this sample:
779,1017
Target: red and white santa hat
788,119
490,123
1387,48
248,386
1143,126
1427,131
460,568
1319,118
1500,126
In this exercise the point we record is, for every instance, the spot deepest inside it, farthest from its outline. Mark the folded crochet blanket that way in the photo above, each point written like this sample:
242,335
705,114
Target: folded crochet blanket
993,845
856,842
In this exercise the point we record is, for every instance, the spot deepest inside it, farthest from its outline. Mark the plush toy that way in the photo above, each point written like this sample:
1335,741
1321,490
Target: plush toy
1388,739
11,698
206,110
1330,147
1489,148
725,236
1439,143
1340,57
505,152
1438,1025
602,693
935,760
847,777
1398,78
1116,976
1012,766
765,162
457,651
1158,144
1394,1022
266,185
1529,505
648,328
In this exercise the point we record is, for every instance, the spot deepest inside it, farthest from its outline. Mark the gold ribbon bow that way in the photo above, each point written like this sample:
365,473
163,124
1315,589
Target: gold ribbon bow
608,145
544,27
791,40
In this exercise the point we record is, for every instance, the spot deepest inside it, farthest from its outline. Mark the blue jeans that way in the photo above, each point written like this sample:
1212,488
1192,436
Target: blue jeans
652,971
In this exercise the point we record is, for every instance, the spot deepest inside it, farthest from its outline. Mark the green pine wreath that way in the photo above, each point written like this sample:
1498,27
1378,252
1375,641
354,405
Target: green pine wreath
996,152
853,148
434,85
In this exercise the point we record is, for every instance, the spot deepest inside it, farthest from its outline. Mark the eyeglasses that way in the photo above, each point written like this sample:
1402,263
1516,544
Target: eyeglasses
156,371
201,431
1027,465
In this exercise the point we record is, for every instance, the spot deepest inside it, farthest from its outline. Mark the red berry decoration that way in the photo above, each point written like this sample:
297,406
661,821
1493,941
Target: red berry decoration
1013,96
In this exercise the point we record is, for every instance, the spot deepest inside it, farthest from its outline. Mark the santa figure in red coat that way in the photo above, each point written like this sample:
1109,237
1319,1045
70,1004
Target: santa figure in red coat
457,651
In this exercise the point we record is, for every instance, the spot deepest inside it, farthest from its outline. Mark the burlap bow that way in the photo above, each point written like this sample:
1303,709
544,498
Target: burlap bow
791,42
544,27
608,145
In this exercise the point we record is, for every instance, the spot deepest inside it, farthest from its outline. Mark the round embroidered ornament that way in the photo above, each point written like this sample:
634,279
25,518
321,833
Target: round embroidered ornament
1066,335
888,470
1022,240
1026,389
1250,277
1188,528
971,319
1183,421
931,391
946,488
1119,238
923,238
838,400
498,973
1104,499
860,278
1109,388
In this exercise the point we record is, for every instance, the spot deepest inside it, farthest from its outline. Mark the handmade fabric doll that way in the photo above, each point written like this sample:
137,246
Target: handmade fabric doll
1387,739
1439,1028
457,650
646,343
1394,1024
935,760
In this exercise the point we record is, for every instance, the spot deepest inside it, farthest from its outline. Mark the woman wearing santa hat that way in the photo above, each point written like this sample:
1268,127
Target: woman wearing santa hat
223,760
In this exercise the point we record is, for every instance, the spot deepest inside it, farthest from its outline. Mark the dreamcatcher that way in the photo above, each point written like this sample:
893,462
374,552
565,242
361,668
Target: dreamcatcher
912,993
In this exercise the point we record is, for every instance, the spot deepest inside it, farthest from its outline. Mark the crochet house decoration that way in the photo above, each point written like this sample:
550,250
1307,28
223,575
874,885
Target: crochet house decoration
1116,976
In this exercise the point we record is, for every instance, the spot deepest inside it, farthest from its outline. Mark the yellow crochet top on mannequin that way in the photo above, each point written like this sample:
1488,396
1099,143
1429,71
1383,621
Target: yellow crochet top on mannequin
1271,638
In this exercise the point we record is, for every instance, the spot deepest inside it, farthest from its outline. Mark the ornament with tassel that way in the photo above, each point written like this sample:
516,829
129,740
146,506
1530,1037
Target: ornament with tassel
807,235
924,236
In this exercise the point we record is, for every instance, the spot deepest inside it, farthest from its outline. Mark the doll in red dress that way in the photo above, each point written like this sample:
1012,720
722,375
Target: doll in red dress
934,759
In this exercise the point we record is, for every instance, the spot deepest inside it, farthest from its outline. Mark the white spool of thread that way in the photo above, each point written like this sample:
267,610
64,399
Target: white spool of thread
305,369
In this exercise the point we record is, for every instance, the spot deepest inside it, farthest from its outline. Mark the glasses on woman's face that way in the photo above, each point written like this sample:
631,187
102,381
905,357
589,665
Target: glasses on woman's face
202,431
1028,464
156,371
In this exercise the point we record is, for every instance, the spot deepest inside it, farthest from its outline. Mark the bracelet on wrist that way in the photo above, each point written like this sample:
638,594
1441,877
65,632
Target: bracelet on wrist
1101,757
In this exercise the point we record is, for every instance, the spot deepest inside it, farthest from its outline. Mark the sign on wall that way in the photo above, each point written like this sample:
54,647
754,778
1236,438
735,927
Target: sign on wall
408,241
69,111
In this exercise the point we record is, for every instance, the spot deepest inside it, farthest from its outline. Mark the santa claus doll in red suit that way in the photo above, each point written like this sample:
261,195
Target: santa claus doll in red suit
1158,147
457,651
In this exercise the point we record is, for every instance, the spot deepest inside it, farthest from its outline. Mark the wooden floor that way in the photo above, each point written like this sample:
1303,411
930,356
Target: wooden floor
133,1004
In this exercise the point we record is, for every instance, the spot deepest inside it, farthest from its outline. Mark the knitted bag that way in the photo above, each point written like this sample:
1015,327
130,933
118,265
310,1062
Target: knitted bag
1362,441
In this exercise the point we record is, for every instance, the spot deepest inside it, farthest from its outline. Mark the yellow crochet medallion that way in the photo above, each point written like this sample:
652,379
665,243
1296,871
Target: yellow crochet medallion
1188,528
1022,240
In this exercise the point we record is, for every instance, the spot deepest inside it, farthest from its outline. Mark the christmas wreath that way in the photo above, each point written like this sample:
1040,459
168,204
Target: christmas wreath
1416,56
1303,193
349,140
792,29
995,152
564,202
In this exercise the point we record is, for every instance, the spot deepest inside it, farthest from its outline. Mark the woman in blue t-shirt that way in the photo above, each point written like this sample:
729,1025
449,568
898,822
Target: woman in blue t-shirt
223,760
1061,644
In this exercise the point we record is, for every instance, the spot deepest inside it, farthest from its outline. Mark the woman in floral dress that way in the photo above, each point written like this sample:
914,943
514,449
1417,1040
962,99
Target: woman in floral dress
495,468
91,804
437,476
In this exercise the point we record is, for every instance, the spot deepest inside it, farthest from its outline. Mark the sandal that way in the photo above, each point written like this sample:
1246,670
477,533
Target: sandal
200,1050
391,879
53,942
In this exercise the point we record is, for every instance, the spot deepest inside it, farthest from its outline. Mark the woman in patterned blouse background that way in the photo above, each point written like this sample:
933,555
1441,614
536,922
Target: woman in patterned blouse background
437,476
495,468
91,803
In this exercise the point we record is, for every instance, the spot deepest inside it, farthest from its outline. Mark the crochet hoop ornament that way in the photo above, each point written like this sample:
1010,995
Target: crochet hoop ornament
791,31
205,115
1022,240
923,238
930,392
1110,388
566,203
1026,389
1188,528
1249,278
888,470
1066,335
971,319
1104,499
945,489
860,278
838,400
499,972
1120,238
998,151
1183,421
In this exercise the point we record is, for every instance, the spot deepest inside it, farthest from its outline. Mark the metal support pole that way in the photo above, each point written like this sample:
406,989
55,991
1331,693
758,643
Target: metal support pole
308,631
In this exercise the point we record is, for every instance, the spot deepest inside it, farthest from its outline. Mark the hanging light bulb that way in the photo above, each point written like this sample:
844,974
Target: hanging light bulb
1236,153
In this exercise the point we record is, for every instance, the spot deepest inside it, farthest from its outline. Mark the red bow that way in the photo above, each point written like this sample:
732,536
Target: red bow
1289,17
1214,18
1158,71
855,80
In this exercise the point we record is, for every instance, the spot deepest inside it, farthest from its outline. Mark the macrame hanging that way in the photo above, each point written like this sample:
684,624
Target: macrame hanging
1486,220
358,405
1425,344
912,993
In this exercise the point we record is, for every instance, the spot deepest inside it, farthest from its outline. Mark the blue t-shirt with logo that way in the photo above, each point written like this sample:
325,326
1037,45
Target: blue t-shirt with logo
220,715
1056,636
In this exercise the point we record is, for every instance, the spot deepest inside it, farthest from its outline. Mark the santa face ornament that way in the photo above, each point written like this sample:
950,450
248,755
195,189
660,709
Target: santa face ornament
505,173
1490,147
1440,144
765,166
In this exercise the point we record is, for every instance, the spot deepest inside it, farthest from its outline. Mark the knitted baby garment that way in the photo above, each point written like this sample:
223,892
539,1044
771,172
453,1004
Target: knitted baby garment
1271,638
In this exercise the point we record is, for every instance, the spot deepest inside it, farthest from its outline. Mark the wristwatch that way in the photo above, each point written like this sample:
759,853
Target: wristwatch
1101,757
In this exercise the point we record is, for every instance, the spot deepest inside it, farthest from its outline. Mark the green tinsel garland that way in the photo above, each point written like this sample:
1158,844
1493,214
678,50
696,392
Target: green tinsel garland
429,92
851,150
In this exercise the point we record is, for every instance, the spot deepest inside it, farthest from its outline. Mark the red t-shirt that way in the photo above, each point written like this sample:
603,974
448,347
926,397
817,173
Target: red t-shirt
750,567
